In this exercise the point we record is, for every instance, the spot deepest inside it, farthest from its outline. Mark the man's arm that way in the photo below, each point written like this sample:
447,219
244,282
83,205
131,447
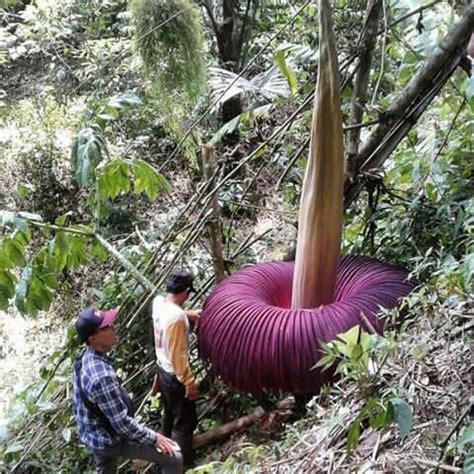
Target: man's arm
108,397
178,353
193,315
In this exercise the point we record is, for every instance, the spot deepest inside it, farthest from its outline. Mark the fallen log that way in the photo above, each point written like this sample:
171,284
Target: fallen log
228,428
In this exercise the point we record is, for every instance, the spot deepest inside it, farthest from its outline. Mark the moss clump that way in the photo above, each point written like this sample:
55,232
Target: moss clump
170,40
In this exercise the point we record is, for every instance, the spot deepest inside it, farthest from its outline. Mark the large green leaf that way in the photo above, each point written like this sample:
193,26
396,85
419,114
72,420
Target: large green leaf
267,85
5,260
147,180
230,126
114,179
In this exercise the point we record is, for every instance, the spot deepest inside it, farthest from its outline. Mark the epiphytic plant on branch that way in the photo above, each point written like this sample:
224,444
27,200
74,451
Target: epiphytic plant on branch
263,327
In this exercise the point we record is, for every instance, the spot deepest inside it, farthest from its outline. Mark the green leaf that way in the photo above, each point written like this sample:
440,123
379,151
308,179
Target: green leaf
77,255
467,436
353,434
98,251
3,302
61,242
39,295
5,260
389,415
326,361
88,151
15,251
114,179
147,180
402,415
378,415
21,289
226,129
7,284
50,280
356,352
470,88
23,190
469,462
61,221
286,71
350,337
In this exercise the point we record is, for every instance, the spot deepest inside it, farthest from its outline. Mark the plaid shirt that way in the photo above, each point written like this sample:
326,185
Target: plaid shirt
101,386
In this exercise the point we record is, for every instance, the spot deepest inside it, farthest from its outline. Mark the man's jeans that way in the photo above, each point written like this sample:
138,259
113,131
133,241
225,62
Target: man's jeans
179,414
106,459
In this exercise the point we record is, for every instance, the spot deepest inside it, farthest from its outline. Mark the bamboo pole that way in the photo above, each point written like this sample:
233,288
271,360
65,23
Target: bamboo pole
215,221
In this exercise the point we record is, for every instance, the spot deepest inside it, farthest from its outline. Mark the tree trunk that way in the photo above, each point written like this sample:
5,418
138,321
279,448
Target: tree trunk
228,428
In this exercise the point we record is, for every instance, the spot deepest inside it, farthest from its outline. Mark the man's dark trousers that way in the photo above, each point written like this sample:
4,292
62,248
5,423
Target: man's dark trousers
106,459
179,414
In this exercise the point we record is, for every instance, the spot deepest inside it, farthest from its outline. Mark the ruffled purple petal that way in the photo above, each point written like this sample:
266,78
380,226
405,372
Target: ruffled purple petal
256,342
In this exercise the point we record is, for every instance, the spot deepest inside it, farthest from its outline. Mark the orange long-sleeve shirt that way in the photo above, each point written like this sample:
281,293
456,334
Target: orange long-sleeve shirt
171,329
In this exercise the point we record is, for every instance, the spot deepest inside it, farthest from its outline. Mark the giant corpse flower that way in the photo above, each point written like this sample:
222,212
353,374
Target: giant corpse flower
262,328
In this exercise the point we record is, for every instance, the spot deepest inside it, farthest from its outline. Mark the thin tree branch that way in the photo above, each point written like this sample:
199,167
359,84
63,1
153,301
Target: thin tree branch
382,56
210,14
361,82
412,101
215,223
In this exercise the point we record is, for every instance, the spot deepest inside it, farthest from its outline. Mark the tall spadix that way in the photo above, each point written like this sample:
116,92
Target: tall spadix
321,207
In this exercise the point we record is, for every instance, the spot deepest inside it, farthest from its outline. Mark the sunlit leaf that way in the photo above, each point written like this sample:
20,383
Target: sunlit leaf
286,71
88,151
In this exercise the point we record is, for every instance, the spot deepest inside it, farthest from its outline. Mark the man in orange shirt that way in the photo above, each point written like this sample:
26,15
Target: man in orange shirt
171,326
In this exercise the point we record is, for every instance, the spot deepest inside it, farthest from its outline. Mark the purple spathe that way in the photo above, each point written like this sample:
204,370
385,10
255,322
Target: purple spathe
255,341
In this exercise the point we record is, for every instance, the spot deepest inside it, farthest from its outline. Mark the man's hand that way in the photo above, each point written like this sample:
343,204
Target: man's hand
193,315
192,392
165,445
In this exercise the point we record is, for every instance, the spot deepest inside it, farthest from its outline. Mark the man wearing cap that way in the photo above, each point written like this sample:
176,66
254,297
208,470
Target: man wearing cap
103,408
177,383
